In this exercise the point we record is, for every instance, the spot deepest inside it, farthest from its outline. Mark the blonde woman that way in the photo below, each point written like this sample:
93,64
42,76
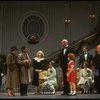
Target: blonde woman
39,64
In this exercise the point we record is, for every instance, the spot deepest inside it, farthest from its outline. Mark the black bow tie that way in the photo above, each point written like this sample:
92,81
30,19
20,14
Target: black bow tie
65,47
86,53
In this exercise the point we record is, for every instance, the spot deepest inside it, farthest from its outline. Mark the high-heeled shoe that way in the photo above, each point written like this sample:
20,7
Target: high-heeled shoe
9,94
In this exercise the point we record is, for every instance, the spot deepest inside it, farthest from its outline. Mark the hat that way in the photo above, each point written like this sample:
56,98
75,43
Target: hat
13,48
23,48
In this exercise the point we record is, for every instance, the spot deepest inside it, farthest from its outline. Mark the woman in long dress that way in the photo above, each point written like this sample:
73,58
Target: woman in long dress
39,65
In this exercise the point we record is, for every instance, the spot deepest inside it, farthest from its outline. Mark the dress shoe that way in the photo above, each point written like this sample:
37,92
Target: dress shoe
63,94
70,94
53,93
97,92
10,95
23,94
37,93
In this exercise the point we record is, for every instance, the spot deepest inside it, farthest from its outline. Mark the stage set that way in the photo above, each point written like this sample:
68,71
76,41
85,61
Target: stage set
41,25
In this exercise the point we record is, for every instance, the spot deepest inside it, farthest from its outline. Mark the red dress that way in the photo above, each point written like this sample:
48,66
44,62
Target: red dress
72,75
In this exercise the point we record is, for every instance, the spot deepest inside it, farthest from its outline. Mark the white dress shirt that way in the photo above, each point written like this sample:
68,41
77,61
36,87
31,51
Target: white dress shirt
65,50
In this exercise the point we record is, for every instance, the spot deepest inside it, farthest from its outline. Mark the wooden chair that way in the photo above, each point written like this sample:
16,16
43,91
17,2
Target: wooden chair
55,86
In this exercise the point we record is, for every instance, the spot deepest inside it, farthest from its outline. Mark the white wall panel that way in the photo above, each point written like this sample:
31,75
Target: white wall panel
54,12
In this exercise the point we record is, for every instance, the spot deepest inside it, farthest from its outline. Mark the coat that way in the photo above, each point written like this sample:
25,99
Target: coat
25,74
12,77
63,58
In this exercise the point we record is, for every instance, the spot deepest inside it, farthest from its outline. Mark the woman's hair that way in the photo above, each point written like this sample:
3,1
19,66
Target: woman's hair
71,56
52,62
23,48
13,48
40,52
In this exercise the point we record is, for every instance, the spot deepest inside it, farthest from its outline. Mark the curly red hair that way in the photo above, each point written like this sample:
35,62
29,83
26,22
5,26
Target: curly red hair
71,56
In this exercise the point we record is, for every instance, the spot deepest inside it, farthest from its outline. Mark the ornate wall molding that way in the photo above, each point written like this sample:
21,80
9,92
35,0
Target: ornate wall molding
33,24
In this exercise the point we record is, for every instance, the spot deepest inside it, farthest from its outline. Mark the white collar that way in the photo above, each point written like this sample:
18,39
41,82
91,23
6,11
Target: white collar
38,59
66,46
70,61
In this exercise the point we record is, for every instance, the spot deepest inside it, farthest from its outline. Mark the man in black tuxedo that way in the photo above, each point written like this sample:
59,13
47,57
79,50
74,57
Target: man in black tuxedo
96,66
85,57
63,57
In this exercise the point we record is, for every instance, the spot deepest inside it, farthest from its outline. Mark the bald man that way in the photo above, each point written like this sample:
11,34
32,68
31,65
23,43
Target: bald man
96,65
63,57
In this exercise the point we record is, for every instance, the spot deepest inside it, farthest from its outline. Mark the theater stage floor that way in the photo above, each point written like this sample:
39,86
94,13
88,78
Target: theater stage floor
48,96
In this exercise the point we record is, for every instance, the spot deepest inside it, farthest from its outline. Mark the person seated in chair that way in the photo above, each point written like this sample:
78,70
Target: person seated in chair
50,80
86,78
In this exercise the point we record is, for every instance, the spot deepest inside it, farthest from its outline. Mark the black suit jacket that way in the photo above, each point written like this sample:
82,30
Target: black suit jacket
64,58
82,60
96,61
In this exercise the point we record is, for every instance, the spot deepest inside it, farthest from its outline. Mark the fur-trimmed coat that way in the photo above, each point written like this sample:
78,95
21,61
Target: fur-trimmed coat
12,77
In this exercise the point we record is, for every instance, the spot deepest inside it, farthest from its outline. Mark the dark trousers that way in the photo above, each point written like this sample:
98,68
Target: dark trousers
97,83
66,88
23,89
0,80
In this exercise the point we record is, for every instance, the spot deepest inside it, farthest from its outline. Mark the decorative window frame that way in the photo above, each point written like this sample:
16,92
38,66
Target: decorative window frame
24,17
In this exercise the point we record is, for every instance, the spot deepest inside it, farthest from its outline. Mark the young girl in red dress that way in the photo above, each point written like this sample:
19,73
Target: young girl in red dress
71,76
